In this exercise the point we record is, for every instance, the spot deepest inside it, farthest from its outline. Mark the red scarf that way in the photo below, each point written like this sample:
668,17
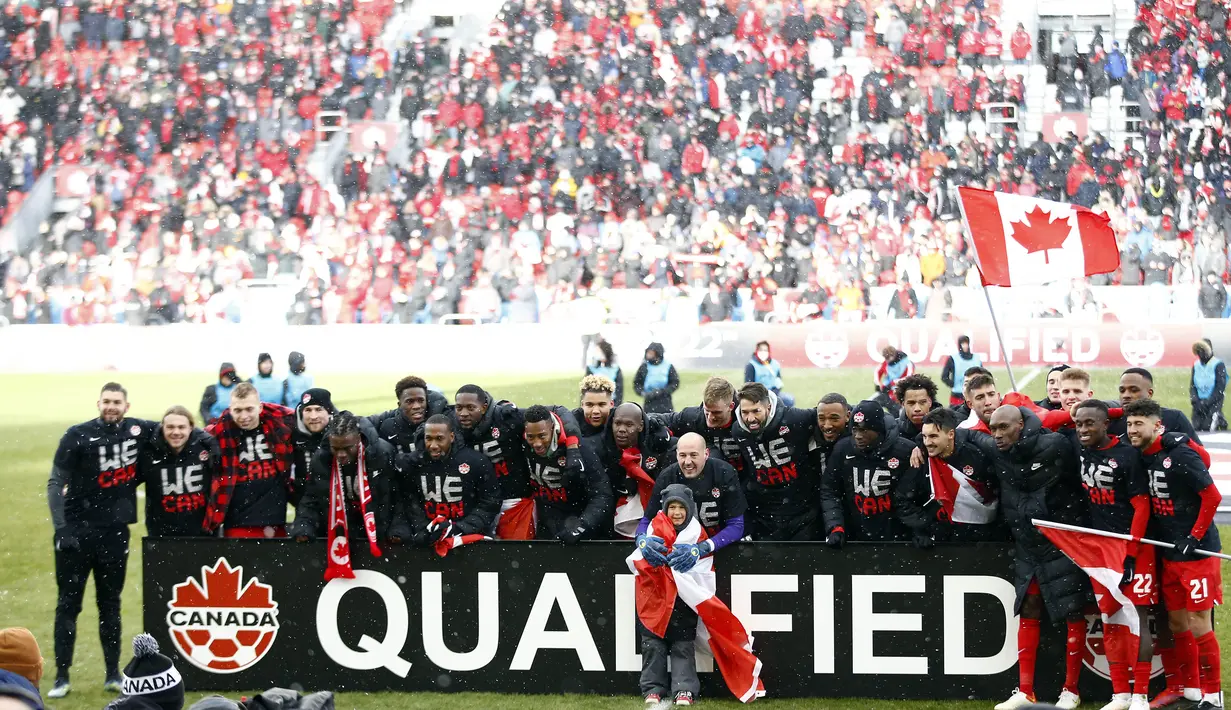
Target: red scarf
630,460
339,545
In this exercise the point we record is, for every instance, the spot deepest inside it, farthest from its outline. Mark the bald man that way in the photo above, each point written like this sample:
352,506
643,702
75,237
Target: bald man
1039,477
715,487
633,449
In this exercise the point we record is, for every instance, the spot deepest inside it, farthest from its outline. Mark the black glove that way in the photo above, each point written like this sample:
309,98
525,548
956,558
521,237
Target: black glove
66,541
1130,568
439,532
922,541
836,539
571,535
1187,545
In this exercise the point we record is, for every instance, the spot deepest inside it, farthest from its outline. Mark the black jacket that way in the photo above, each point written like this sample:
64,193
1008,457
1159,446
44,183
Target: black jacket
568,496
862,492
584,426
1112,477
461,487
722,440
655,445
177,484
312,513
1039,479
975,456
780,483
94,474
717,493
306,446
396,429
820,449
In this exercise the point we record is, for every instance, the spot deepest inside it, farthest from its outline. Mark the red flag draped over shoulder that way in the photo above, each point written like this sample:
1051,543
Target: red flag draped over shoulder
657,589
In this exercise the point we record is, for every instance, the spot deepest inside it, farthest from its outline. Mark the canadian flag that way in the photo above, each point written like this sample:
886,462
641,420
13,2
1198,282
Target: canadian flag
1103,559
1022,241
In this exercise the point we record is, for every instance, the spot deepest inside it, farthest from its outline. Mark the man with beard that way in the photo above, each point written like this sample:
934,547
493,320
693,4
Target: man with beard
917,396
833,414
356,458
982,399
1119,498
781,485
1183,500
573,502
953,374
957,485
1036,473
713,420
415,404
861,489
448,480
715,487
597,400
312,415
92,494
1137,383
1052,400
633,450
177,467
497,429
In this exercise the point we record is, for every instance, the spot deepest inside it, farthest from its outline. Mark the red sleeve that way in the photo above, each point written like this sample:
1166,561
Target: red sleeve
1115,412
1055,419
1141,519
1210,498
1205,455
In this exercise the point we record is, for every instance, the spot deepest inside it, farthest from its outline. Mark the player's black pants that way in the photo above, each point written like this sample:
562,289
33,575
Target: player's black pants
105,553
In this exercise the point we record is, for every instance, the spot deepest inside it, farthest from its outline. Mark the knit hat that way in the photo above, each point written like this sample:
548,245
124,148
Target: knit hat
868,415
19,653
296,362
150,678
683,494
228,368
317,396
264,357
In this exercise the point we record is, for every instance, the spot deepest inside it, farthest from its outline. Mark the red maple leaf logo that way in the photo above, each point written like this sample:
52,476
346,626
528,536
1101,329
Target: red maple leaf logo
222,589
1038,232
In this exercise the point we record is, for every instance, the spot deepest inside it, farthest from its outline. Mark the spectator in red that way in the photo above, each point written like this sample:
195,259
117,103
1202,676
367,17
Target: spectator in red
1020,45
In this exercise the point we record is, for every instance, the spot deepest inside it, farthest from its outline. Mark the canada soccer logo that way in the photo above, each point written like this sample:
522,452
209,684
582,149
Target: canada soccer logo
1094,655
222,623
1142,347
858,417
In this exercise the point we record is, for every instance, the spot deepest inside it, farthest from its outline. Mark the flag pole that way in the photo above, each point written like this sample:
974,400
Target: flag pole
999,338
1120,536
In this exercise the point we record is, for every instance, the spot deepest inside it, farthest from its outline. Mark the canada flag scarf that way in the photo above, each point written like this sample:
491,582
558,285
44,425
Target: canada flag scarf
657,588
339,531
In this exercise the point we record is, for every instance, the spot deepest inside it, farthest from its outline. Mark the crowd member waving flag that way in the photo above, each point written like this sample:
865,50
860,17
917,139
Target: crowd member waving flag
1021,241
658,586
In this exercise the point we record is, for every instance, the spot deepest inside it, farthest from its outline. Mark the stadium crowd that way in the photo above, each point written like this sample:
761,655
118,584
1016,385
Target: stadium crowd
585,145
747,465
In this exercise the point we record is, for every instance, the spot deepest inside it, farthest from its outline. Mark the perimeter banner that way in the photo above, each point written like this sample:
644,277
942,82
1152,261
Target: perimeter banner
881,621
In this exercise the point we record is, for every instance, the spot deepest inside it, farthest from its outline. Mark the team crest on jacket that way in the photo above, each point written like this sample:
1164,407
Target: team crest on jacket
204,456
562,462
222,622
893,463
715,492
495,433
968,470
1112,463
464,469
651,462
858,417
784,430
135,430
1167,462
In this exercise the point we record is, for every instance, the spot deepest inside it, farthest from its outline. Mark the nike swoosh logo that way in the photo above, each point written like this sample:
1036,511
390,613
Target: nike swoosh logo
95,438
849,457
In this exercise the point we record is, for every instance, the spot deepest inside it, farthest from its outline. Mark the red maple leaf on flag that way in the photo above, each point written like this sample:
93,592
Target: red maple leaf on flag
1038,232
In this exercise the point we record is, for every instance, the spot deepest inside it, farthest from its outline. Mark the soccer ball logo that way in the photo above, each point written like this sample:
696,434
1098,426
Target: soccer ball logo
1094,655
221,623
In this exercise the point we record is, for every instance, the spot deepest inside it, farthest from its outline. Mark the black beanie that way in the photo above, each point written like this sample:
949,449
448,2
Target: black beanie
150,678
868,415
296,362
263,357
318,396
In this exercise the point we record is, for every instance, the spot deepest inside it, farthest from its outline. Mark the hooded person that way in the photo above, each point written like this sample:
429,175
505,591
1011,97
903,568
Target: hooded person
572,503
313,410
497,429
177,467
217,397
861,490
656,380
447,488
763,368
297,381
151,681
953,374
416,402
351,481
633,449
779,479
1207,386
269,387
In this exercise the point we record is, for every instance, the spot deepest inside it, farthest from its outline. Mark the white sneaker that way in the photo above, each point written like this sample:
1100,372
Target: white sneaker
60,690
1120,701
1193,695
1017,700
1139,702
1068,700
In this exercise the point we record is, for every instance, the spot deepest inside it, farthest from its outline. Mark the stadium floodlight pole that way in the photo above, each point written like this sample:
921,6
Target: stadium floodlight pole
1119,536
1000,338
